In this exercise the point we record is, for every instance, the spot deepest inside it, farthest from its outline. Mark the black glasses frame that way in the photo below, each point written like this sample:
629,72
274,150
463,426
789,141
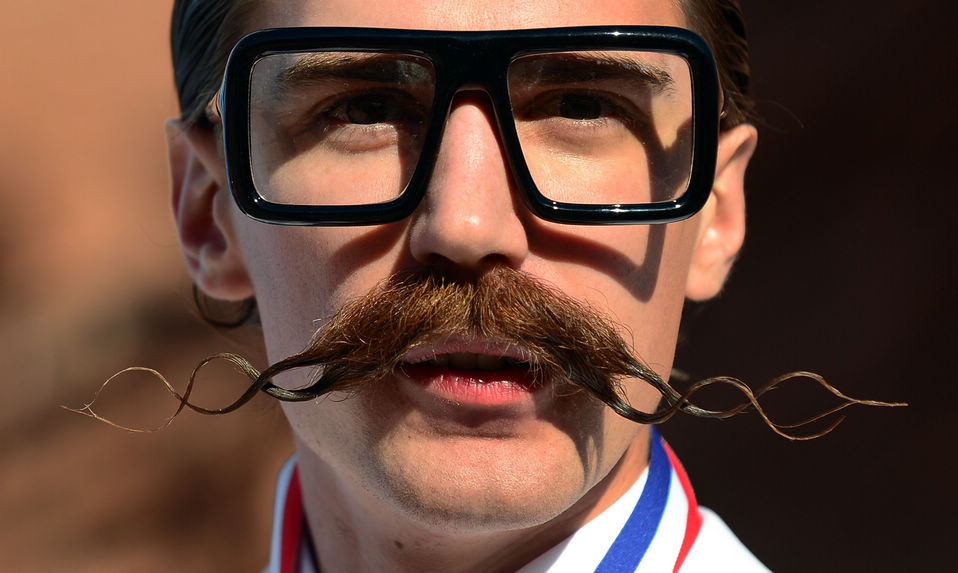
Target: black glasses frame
473,60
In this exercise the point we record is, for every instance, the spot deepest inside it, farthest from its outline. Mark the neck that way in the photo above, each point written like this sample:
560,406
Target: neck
352,530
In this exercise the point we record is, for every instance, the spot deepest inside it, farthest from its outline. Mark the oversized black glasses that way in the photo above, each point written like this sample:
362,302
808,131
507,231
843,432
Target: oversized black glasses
341,126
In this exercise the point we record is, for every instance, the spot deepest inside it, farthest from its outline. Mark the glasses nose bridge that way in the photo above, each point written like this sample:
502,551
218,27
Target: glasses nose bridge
479,74
475,66
470,218
481,68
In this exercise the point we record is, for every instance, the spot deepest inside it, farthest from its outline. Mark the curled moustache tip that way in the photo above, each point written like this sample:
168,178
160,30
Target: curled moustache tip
240,364
88,411
685,404
315,390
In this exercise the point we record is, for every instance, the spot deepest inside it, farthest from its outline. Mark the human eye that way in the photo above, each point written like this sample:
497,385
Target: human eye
580,106
575,113
376,108
362,120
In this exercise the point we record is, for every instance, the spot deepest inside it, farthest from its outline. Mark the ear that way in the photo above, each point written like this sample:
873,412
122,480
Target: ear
722,220
201,209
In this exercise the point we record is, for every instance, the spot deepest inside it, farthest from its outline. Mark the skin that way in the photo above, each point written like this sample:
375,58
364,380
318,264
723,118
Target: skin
393,479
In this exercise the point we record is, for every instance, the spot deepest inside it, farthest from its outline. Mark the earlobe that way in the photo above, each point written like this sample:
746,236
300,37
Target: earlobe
722,220
201,210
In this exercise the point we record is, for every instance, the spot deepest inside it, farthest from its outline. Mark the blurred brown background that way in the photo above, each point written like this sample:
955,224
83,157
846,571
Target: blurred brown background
848,271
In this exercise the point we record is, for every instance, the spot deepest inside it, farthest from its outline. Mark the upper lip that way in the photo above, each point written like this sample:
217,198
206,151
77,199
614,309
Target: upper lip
461,345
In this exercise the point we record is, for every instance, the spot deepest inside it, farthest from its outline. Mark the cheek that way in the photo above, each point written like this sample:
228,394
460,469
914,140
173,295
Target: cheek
303,275
634,275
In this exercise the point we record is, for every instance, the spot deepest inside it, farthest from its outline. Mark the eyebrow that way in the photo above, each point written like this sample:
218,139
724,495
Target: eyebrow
570,68
397,68
320,67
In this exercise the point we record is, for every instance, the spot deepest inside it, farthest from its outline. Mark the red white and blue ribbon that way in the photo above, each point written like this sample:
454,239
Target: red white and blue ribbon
636,536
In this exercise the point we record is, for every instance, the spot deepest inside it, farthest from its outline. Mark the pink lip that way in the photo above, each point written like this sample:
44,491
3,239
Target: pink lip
474,387
467,387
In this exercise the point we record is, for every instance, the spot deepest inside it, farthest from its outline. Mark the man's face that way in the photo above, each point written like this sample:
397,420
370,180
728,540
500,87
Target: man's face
452,456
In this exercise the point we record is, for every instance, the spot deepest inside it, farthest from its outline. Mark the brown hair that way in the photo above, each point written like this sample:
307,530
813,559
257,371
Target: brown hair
202,32
721,24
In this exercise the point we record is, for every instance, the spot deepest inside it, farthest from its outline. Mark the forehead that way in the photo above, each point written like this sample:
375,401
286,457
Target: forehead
467,14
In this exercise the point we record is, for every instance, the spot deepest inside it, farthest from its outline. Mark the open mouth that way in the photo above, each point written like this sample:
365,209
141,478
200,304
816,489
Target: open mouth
472,361
468,353
471,371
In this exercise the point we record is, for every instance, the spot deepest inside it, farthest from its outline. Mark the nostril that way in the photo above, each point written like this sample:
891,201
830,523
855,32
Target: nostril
459,272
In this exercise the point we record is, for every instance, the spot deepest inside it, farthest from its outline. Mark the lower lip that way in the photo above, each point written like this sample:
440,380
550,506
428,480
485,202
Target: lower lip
474,387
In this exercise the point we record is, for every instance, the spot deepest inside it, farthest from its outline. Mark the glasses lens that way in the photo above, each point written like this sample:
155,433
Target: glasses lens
604,127
337,128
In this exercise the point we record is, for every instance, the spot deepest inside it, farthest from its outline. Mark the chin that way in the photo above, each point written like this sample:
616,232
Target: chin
482,485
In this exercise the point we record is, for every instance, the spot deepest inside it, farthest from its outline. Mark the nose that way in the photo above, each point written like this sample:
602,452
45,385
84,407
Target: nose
469,218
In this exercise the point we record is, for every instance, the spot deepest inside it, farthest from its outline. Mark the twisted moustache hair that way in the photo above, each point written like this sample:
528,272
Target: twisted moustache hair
562,342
